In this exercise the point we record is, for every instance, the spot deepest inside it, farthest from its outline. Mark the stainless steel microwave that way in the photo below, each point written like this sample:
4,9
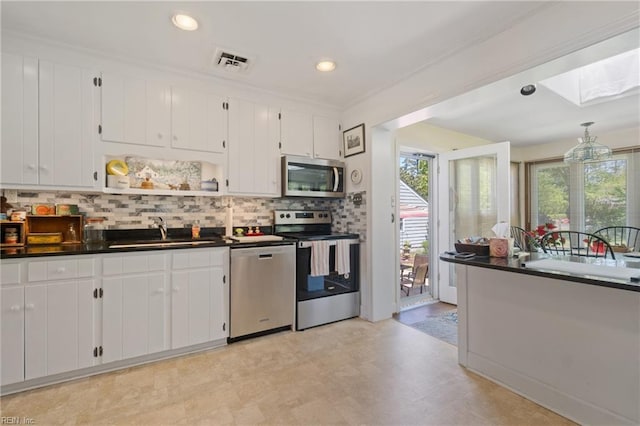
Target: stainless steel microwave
311,177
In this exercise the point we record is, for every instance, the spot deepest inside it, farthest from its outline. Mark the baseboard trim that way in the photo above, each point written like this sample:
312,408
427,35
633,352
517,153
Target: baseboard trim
568,406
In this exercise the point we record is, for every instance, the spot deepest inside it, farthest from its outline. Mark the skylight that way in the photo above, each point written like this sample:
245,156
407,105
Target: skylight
610,78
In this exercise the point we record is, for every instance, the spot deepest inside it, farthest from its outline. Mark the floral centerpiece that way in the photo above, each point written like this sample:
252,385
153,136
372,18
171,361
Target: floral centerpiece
545,229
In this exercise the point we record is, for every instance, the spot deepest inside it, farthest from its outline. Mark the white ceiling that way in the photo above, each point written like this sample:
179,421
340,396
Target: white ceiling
375,45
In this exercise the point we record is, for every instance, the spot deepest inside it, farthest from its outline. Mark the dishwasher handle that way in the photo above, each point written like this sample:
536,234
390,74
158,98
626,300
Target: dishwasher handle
265,256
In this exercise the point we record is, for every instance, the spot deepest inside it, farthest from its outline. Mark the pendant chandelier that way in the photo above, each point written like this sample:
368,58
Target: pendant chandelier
587,149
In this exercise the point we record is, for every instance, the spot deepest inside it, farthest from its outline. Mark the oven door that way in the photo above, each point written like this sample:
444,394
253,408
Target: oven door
306,177
309,287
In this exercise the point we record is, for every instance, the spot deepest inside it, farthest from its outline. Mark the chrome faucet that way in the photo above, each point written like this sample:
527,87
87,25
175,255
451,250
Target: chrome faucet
160,223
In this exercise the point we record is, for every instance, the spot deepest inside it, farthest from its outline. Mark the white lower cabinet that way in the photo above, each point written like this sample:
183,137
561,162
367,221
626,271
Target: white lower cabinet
199,296
58,327
133,305
71,312
47,324
12,335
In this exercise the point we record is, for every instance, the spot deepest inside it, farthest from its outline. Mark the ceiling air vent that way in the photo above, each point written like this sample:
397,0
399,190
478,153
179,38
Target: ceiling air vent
230,61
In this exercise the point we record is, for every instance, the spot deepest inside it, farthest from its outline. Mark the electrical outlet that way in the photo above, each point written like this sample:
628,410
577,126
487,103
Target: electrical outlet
11,195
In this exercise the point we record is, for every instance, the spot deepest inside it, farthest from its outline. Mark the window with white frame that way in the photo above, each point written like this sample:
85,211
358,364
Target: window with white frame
586,196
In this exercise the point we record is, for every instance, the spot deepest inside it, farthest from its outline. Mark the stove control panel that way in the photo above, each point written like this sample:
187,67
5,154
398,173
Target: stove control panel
301,217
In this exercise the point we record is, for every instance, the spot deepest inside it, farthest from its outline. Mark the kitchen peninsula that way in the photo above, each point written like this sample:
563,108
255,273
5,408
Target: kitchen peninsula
570,342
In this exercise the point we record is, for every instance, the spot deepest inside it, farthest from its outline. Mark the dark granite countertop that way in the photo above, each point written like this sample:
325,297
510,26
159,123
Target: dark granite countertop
134,241
518,265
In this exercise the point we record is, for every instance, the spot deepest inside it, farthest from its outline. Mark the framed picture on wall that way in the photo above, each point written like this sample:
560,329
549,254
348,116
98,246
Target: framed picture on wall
353,140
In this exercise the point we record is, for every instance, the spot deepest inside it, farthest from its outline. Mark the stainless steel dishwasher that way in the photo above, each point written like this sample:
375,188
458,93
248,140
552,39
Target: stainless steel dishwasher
262,290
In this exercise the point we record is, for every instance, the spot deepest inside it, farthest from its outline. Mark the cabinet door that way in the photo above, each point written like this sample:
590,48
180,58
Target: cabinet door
296,133
135,110
67,126
19,149
220,304
58,327
267,164
191,307
241,140
199,296
199,121
12,326
326,138
158,113
253,154
134,316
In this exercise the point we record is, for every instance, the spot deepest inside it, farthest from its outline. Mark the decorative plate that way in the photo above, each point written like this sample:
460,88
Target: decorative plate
356,176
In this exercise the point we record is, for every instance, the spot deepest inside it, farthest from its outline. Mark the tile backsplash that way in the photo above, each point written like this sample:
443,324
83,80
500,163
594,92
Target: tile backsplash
139,211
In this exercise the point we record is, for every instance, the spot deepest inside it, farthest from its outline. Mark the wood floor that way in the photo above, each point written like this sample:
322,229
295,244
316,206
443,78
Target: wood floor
351,372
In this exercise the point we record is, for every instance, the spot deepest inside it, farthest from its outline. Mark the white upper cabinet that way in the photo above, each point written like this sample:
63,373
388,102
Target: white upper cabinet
326,138
153,113
135,110
296,133
67,126
309,135
253,149
48,127
199,121
19,120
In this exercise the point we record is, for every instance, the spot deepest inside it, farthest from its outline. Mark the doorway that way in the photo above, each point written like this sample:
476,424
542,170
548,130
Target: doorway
415,183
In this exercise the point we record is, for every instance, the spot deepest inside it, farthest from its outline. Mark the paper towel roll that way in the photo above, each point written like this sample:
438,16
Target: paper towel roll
229,222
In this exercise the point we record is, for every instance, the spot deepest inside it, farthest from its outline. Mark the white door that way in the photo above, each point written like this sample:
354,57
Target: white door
58,327
473,195
219,307
67,126
19,150
191,304
124,102
133,316
326,138
253,150
296,133
143,314
199,120
12,327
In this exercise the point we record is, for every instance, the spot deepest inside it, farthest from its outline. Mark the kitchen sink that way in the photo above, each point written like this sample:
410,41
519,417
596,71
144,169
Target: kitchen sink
162,243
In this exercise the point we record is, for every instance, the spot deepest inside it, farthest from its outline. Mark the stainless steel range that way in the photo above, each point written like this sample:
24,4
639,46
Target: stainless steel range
325,296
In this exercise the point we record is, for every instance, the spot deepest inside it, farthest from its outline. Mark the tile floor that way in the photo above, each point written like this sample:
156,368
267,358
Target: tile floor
350,372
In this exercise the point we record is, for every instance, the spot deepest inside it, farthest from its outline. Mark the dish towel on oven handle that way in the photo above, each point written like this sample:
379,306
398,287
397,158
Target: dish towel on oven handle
319,258
343,261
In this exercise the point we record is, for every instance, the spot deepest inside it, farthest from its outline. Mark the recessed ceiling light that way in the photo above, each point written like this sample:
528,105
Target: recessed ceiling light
326,66
184,22
528,89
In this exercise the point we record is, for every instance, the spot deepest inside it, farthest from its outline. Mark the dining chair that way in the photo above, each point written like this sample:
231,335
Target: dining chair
628,236
522,239
417,277
575,243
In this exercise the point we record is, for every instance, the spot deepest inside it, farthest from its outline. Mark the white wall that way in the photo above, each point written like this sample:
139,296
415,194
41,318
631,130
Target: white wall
435,139
556,30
